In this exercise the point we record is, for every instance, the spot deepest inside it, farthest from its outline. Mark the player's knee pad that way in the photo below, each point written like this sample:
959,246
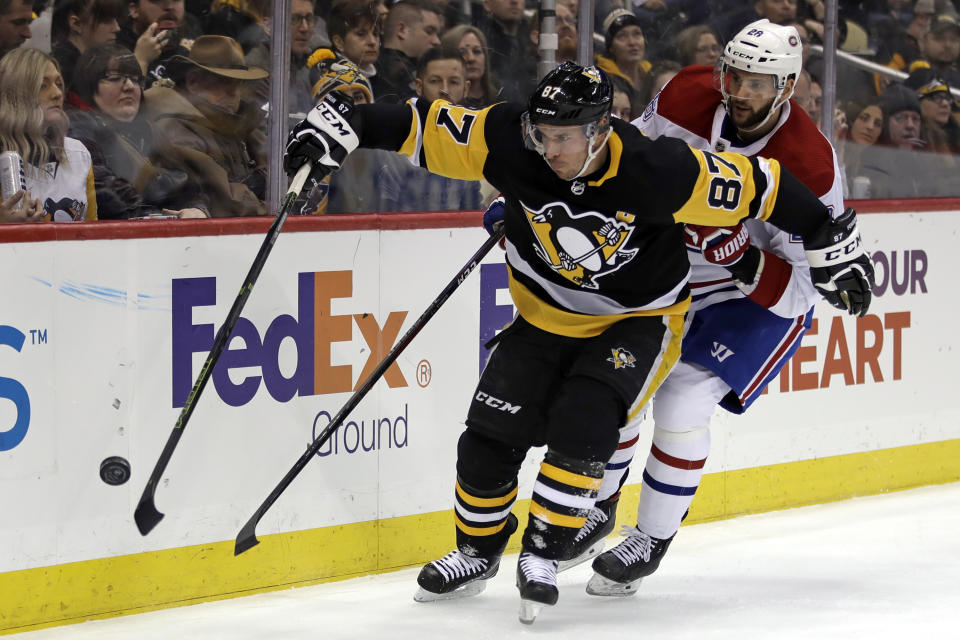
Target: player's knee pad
585,420
486,463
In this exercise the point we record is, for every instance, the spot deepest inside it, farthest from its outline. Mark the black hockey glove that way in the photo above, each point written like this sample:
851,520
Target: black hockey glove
840,267
325,137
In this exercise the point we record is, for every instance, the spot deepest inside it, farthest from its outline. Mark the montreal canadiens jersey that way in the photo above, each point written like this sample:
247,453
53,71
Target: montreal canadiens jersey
586,253
691,109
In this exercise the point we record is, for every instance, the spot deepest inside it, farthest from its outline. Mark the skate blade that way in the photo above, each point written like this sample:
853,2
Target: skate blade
589,554
600,586
529,610
467,590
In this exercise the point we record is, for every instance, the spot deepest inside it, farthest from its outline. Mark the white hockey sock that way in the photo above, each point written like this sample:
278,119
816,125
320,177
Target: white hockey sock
619,463
671,478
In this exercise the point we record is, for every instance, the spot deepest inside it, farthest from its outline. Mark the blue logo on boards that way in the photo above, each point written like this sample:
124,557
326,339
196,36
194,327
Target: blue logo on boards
15,392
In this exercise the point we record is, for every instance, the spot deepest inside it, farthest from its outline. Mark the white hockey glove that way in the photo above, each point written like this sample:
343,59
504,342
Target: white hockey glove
325,137
840,267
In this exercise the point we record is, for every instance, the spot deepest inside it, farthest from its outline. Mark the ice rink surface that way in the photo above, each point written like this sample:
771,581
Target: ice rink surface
876,567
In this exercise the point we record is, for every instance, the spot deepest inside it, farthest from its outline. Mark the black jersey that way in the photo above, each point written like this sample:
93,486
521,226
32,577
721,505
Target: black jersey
583,254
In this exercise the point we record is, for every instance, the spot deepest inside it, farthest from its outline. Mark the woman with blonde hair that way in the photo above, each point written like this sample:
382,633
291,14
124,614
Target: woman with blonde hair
472,45
57,169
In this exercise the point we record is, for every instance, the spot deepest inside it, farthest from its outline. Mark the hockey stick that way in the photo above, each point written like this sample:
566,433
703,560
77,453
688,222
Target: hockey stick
146,515
247,537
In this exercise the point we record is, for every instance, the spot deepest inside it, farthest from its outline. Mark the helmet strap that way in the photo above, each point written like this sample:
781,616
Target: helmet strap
594,149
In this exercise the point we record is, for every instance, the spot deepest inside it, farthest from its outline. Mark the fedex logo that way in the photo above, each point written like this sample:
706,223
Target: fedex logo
313,330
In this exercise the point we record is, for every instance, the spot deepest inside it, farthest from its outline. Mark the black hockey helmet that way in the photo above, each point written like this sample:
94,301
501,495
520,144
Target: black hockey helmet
570,95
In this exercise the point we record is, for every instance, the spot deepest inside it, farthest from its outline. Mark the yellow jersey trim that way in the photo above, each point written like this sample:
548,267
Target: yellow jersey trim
615,144
576,325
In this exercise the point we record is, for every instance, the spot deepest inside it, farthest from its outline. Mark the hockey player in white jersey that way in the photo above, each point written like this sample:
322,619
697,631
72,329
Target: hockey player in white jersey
752,294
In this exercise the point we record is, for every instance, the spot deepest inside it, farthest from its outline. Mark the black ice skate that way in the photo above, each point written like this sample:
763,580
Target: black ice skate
457,575
537,582
590,539
619,571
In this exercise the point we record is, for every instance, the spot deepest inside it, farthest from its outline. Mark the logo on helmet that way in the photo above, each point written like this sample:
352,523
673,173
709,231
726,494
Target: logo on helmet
593,74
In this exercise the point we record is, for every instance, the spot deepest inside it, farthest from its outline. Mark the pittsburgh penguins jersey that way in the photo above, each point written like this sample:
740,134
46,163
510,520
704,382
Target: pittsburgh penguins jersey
583,254
690,108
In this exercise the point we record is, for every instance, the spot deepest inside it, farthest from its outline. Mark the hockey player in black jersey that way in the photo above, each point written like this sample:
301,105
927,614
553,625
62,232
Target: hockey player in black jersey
599,276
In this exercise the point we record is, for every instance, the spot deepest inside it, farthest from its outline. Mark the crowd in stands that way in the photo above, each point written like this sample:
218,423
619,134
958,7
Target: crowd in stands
158,108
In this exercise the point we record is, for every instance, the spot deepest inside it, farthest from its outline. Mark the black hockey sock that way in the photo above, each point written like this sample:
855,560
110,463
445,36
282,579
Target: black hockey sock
483,519
563,495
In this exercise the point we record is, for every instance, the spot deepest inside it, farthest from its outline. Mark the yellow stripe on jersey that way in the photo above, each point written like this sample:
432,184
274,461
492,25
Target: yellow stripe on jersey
616,150
667,359
552,517
478,531
452,139
474,501
726,188
575,325
569,478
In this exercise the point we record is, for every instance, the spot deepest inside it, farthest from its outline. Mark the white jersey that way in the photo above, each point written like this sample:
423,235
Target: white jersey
690,108
65,190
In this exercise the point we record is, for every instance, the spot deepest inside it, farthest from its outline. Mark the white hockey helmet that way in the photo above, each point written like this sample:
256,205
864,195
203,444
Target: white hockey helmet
763,47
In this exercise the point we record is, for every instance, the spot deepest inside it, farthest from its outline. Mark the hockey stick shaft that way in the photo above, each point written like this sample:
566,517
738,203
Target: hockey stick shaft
247,537
146,514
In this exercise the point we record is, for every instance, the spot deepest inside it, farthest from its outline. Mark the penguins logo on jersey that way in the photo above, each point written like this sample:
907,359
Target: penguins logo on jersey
64,210
621,358
580,246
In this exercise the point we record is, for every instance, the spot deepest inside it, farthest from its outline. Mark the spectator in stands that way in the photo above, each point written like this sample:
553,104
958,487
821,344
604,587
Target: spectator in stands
209,111
472,45
15,19
936,110
412,27
941,48
778,11
566,21
898,44
626,49
511,56
156,31
808,94
660,74
623,99
698,44
354,29
128,171
33,124
865,125
80,24
441,75
242,20
894,166
302,20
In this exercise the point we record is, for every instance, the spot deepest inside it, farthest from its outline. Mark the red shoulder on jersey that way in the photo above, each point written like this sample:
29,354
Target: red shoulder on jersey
691,99
814,165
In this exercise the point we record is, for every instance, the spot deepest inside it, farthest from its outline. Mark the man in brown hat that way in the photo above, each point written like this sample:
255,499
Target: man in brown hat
209,111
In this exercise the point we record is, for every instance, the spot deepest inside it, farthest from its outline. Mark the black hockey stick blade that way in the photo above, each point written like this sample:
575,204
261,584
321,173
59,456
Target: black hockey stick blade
146,514
247,538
